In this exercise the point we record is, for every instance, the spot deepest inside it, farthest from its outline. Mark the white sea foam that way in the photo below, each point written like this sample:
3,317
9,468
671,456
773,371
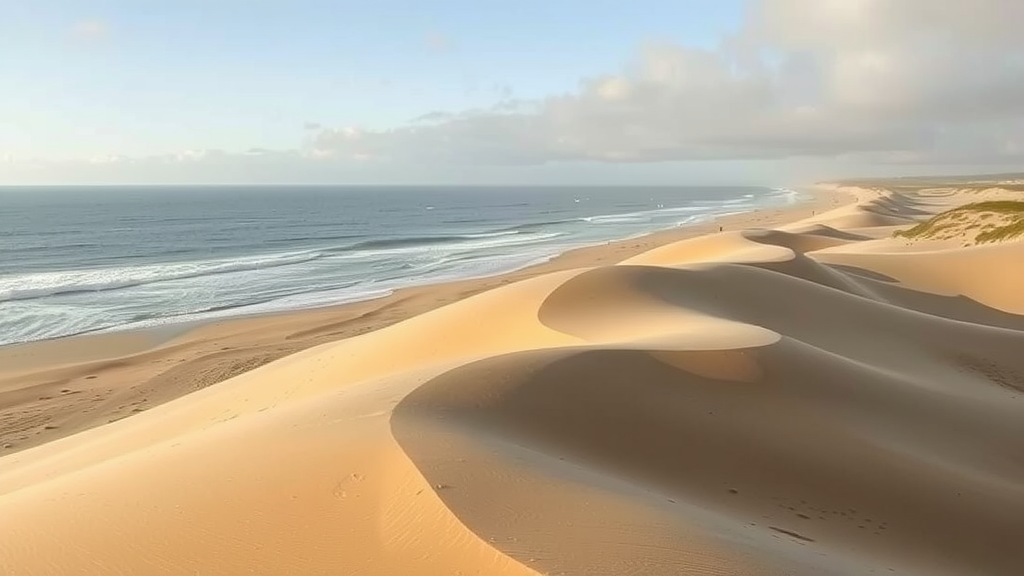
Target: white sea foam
51,304
31,286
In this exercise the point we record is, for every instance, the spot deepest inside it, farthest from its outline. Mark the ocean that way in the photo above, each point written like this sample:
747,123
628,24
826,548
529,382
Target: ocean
75,260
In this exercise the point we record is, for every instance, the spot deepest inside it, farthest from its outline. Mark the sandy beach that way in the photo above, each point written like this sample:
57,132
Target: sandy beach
56,388
799,392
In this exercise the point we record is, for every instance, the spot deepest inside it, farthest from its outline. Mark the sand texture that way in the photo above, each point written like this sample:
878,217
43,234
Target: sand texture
796,395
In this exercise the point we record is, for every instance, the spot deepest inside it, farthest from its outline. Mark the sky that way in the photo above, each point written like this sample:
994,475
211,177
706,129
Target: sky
507,92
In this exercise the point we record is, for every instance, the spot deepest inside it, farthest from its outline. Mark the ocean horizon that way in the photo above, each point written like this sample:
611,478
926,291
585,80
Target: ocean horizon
83,259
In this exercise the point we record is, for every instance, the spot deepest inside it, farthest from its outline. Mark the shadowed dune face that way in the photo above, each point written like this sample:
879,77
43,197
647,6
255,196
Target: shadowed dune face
821,266
798,243
861,432
751,300
990,274
793,439
954,284
625,303
827,232
874,209
804,402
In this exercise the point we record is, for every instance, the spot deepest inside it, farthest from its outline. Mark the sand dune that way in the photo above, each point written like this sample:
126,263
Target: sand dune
799,400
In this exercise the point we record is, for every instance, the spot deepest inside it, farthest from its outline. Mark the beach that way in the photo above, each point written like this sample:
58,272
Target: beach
81,260
120,374
792,390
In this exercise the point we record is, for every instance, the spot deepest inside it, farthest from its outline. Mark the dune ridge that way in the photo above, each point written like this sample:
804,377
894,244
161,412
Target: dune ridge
813,398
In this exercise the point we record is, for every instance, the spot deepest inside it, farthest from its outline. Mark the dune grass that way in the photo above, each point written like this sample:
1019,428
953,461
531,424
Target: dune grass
1007,187
965,219
1001,233
1014,207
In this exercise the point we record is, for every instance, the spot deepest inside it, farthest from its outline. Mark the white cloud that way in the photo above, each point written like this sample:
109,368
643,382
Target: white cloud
823,78
871,81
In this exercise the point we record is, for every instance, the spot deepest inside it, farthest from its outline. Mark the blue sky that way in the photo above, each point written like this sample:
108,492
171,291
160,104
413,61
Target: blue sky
569,89
164,76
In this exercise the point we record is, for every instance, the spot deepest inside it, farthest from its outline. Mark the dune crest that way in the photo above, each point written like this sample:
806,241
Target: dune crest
809,399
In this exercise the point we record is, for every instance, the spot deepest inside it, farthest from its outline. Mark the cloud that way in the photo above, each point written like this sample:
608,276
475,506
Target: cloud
861,82
830,78
90,30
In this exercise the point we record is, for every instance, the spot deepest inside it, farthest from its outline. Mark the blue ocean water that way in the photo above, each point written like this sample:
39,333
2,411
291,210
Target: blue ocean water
86,259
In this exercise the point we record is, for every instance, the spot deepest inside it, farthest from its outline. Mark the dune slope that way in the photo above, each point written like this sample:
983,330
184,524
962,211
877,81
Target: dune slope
799,401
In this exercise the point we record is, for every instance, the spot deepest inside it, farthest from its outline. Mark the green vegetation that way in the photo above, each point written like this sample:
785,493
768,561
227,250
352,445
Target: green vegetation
1002,233
1013,182
1013,207
998,220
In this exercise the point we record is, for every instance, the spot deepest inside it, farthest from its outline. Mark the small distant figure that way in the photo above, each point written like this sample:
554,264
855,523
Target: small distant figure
720,228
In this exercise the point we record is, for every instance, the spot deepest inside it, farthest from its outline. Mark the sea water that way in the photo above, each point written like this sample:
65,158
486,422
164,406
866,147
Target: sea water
86,259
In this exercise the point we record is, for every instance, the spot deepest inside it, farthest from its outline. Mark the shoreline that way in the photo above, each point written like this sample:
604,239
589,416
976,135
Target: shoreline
128,371
795,396
184,322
